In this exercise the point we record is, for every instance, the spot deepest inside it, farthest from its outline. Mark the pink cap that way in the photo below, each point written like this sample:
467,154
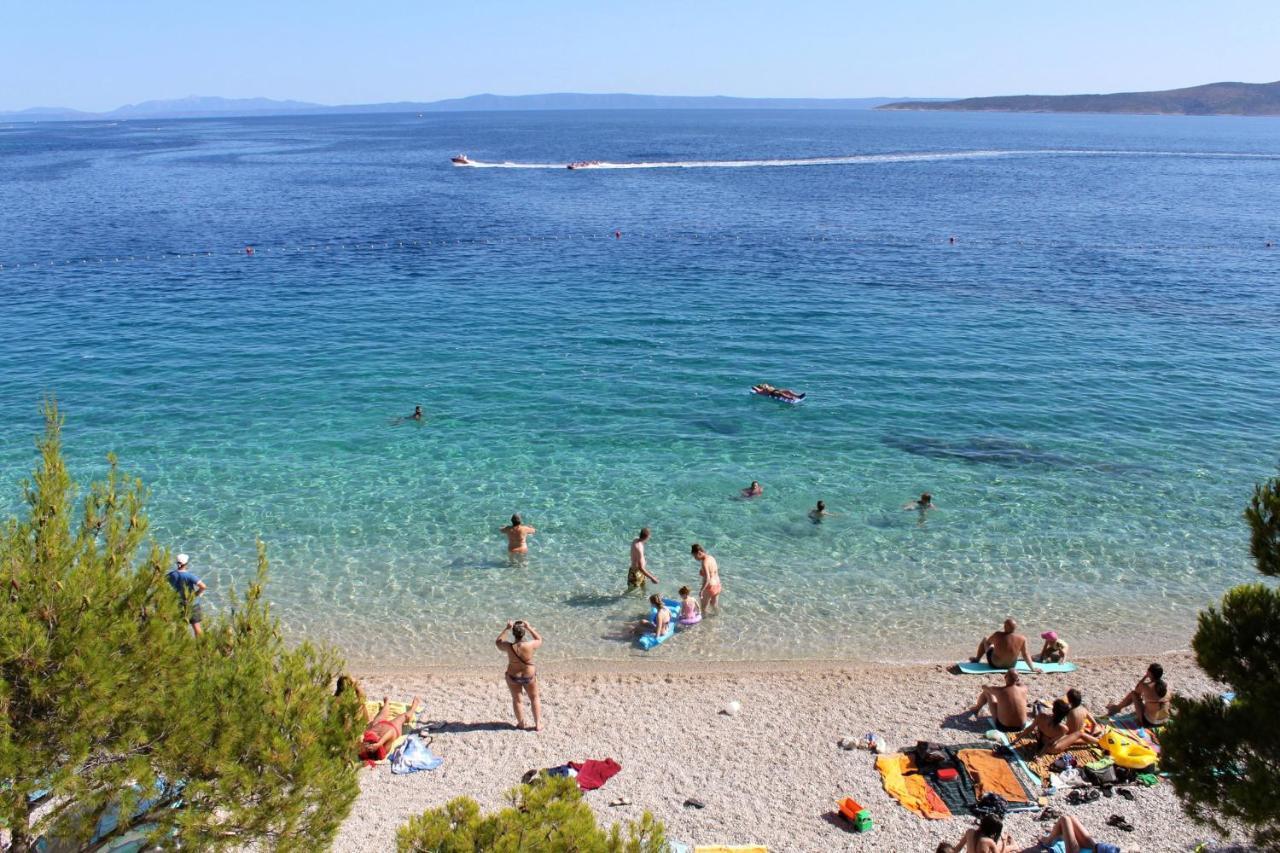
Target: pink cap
1049,635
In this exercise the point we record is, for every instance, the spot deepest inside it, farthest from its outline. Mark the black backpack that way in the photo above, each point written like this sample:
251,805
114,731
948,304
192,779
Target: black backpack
991,804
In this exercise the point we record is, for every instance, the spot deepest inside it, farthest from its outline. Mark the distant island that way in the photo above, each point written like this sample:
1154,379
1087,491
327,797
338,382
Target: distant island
1213,99
212,107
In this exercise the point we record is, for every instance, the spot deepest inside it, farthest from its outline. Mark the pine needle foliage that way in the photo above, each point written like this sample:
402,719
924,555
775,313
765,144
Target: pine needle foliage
113,717
548,816
1224,758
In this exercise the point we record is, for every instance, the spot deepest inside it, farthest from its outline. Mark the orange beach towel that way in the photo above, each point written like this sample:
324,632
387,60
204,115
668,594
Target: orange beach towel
992,774
912,791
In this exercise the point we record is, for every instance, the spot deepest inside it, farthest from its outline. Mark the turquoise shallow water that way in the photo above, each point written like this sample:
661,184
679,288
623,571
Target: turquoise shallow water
1085,380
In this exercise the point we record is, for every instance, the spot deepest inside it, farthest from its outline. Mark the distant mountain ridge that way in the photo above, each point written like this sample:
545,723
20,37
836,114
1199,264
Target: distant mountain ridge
197,106
1238,99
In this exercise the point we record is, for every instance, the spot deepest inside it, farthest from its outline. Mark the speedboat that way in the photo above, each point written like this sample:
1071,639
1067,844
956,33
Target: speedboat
583,164
460,160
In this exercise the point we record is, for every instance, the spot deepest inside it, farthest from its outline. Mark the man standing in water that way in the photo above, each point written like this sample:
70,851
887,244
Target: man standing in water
518,534
639,570
710,573
189,588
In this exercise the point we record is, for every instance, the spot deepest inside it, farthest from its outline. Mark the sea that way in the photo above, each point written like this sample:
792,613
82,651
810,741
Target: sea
1063,327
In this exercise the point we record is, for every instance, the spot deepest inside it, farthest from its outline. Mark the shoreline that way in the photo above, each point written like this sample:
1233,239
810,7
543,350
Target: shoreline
771,774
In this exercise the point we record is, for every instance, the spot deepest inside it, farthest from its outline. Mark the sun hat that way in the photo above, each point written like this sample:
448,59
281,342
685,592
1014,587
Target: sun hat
1049,635
183,559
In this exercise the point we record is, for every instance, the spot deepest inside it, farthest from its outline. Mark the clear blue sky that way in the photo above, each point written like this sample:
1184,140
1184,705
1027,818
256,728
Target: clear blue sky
99,54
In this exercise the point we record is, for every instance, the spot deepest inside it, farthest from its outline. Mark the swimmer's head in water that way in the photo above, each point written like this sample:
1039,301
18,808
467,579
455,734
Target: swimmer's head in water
684,592
515,520
697,550
926,499
821,506
1010,626
644,534
755,484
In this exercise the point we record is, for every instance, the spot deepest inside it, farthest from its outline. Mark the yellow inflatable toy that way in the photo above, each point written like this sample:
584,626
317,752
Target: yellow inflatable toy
1126,751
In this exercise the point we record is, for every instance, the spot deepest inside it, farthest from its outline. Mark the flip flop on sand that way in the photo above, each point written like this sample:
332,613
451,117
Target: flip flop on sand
1120,822
694,803
1126,793
620,801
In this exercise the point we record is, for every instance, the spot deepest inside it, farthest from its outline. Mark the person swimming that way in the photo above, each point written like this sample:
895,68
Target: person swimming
923,505
819,512
690,610
755,490
517,533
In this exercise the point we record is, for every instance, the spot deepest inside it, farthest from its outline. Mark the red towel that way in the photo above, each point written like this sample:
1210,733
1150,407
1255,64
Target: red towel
592,774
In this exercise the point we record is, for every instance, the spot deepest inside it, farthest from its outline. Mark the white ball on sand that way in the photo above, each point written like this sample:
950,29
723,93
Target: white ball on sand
733,708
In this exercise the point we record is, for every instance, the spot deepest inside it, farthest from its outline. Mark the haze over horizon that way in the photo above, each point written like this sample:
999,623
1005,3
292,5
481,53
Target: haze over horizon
81,55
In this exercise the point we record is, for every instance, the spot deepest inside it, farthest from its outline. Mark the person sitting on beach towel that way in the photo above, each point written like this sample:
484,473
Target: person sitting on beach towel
988,837
1079,719
1003,648
1053,733
1054,649
1069,835
1150,698
384,730
1008,703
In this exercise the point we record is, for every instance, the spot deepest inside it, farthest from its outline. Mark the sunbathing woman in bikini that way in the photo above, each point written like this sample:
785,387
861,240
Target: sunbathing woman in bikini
521,675
385,730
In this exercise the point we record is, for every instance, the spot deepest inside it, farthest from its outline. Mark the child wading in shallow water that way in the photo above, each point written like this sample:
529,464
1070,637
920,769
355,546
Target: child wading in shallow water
690,610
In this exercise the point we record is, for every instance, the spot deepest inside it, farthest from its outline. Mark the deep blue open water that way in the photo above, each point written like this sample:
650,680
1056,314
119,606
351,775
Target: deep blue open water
1086,380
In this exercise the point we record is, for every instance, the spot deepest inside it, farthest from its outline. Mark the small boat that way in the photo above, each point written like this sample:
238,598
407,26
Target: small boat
460,160
583,164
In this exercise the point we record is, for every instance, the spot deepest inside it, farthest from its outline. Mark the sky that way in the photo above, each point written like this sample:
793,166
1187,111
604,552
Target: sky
100,54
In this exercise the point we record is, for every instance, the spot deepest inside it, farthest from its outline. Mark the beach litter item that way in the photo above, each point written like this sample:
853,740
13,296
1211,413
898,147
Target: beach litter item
414,756
858,816
694,803
620,801
732,709
984,668
849,743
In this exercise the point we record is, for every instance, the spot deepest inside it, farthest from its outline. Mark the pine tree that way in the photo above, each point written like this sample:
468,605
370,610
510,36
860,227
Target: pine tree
109,707
1224,757
548,816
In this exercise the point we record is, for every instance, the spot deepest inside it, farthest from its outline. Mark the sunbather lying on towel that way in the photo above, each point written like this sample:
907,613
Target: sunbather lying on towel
1071,833
988,837
1008,703
384,729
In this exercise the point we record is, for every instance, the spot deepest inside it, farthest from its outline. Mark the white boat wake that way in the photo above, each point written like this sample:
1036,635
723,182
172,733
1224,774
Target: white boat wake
860,159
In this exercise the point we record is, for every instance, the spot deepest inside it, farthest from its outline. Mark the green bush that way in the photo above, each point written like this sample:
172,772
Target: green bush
1224,759
548,816
108,704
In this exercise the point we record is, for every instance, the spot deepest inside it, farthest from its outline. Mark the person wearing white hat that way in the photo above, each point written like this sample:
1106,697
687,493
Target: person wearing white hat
189,589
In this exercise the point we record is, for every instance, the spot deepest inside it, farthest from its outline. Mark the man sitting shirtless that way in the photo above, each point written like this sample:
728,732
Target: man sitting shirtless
1003,648
1008,703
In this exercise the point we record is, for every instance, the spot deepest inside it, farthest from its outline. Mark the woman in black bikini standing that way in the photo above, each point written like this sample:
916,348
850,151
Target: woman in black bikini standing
521,675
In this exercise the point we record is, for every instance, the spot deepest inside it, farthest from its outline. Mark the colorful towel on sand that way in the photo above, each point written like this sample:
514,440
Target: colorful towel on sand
592,774
992,774
905,784
1024,743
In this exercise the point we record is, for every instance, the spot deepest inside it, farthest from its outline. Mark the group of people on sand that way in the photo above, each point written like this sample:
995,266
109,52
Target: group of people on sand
1067,722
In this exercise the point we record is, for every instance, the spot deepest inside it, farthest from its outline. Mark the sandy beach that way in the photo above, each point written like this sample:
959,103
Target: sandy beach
770,774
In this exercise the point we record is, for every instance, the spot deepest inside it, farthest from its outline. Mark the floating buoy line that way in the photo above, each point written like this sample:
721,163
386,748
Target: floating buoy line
950,242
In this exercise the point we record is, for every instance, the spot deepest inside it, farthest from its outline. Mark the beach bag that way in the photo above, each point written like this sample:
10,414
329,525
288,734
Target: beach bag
929,754
1102,772
412,756
992,804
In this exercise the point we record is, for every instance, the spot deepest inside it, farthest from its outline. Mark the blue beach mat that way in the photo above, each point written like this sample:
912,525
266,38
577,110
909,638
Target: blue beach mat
648,641
986,669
